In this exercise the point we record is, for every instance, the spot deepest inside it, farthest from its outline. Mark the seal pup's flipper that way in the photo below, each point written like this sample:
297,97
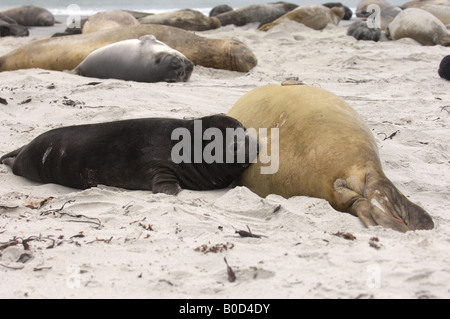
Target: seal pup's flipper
166,182
9,158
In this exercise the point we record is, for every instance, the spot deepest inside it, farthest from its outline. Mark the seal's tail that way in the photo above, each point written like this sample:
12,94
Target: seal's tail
9,158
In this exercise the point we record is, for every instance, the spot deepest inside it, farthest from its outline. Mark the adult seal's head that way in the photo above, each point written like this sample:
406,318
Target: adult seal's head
444,68
326,151
31,16
142,60
158,154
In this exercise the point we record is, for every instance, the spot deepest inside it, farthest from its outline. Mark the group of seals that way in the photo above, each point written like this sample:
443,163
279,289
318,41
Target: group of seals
132,154
66,53
325,151
424,21
143,60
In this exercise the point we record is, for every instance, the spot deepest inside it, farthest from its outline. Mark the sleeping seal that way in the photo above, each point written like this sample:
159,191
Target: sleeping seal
108,20
142,60
325,151
137,154
31,16
66,53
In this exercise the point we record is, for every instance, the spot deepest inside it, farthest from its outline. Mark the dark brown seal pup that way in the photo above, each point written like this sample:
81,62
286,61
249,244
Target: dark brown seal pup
444,68
138,154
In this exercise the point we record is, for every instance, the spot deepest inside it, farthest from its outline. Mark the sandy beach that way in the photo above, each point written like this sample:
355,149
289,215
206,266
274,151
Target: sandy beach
113,243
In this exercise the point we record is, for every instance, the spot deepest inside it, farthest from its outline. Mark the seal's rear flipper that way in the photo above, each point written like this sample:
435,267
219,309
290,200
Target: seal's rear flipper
9,158
387,207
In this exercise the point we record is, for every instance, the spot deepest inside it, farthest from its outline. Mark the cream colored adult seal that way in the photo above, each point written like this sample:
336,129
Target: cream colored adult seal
186,19
326,151
419,25
65,53
108,20
313,16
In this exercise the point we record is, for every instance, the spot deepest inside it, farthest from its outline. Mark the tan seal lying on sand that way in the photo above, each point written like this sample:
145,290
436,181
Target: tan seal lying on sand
108,20
313,16
65,53
261,13
186,19
326,151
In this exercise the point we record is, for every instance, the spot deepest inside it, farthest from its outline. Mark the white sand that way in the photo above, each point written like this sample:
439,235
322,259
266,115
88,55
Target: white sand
393,85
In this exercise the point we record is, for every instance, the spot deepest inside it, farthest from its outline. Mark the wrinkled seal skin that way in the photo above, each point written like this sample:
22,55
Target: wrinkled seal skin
131,154
66,53
325,151
147,60
31,16
262,13
444,68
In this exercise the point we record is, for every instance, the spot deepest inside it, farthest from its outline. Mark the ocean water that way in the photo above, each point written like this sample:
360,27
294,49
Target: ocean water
89,7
